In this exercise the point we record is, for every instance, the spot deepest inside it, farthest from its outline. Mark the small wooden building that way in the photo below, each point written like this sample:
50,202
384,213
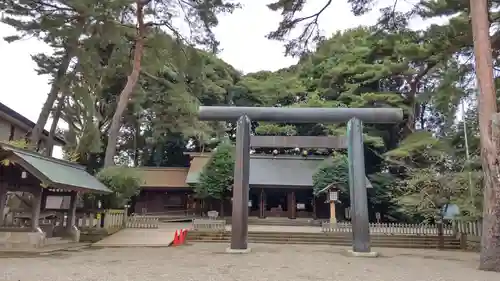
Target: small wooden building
280,186
43,177
164,191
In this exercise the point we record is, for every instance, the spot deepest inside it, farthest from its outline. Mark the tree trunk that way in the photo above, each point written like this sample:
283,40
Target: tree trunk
136,141
132,79
36,132
490,242
52,133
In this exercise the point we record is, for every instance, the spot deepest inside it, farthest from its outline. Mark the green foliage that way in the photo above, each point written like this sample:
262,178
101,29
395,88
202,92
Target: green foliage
123,181
22,144
418,149
334,170
216,179
425,72
427,190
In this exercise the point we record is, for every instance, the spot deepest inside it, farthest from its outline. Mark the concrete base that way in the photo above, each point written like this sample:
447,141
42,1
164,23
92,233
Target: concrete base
9,240
74,233
238,251
362,254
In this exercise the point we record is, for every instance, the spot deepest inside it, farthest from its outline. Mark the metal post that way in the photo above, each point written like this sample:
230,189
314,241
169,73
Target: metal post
239,220
357,186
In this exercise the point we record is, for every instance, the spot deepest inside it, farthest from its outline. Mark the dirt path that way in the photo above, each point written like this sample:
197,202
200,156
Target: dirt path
206,262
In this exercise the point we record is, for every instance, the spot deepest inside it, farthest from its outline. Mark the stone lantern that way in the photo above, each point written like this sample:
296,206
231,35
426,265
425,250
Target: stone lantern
333,196
332,192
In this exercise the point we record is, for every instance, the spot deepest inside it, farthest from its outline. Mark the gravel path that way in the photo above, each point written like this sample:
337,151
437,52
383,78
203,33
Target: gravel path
206,262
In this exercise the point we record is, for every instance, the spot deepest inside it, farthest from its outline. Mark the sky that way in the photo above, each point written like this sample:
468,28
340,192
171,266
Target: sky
242,37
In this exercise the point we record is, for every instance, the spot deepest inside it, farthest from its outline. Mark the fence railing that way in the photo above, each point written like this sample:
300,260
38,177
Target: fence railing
209,225
139,221
107,219
168,213
391,228
54,223
470,228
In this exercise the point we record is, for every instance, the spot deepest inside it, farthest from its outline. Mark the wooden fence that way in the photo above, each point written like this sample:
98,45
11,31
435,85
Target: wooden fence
470,228
391,228
456,228
107,219
209,225
139,221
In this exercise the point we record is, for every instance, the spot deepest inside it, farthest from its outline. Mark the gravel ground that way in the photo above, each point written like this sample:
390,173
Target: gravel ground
207,262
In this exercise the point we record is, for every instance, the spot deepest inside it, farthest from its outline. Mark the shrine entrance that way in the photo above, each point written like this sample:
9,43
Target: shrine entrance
244,141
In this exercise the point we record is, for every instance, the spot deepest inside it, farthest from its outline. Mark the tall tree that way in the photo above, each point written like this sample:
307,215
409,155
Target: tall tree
489,128
57,23
201,17
129,86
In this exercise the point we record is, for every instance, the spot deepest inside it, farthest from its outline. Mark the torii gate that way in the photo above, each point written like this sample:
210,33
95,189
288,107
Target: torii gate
357,185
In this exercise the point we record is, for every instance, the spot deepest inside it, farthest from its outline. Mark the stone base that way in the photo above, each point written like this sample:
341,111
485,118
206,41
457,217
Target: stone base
238,251
9,240
75,234
362,254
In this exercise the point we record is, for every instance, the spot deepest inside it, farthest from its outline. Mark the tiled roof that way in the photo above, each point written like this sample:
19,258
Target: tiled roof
57,174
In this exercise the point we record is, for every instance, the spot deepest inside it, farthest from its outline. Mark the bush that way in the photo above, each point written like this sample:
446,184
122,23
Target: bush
216,179
333,170
125,182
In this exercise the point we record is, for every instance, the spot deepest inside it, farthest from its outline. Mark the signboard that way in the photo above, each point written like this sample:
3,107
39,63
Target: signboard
450,211
301,206
57,202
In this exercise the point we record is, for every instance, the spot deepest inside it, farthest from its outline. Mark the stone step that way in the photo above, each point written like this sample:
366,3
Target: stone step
426,241
325,240
338,243
397,241
286,235
58,240
284,222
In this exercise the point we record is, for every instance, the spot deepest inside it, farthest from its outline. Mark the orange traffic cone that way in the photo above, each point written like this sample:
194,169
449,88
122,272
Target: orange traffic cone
183,236
176,238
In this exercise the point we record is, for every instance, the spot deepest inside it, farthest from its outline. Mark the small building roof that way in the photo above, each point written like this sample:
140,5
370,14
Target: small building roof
283,171
270,171
55,173
25,122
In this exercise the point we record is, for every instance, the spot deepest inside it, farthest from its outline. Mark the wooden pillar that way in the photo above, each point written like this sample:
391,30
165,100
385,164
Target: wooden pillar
315,214
333,216
71,219
262,206
3,199
35,208
292,205
44,199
